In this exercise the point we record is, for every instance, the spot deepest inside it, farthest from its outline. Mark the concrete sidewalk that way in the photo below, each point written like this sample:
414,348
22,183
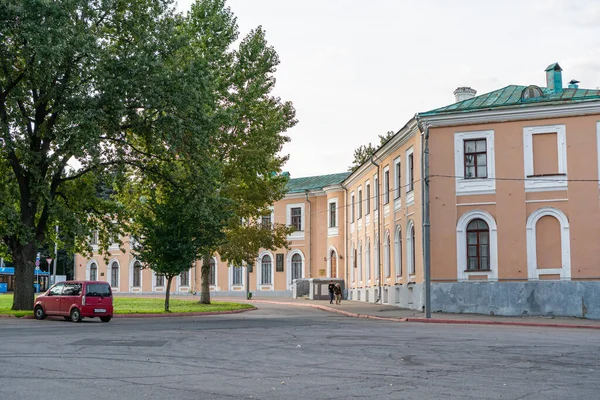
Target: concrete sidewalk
392,313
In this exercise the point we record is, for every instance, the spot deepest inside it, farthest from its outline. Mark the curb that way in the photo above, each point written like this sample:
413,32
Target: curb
182,314
435,321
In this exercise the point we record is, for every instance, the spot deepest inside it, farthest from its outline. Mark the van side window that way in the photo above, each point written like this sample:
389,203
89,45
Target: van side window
72,289
56,290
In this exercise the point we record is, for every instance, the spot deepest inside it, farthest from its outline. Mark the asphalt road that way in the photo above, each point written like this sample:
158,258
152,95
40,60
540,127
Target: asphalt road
280,352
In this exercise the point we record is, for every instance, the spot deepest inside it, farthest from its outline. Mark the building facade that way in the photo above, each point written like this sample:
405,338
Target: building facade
512,177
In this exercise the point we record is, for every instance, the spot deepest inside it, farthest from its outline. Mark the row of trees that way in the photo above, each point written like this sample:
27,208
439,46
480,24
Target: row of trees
125,117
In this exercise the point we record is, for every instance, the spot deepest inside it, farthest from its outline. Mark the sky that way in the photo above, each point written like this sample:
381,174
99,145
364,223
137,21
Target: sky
357,69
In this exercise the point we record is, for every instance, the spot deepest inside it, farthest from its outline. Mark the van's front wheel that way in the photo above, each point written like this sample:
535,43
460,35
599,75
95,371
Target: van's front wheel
105,319
39,313
75,315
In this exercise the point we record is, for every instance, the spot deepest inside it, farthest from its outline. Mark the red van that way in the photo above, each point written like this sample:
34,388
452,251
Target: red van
76,300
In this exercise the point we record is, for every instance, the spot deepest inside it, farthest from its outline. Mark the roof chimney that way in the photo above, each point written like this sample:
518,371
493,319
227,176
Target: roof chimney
573,84
464,93
554,77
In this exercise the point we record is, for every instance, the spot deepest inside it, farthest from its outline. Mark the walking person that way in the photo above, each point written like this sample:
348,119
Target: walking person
331,289
337,290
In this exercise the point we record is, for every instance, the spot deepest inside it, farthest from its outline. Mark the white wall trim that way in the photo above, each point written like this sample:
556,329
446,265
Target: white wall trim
288,272
131,265
387,252
216,285
474,186
259,269
409,253
88,267
398,251
565,244
461,245
297,235
545,183
359,263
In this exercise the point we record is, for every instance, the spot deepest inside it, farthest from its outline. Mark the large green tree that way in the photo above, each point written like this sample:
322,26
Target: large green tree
90,90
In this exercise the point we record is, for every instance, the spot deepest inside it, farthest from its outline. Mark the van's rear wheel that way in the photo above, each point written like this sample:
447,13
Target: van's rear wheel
39,313
105,319
75,315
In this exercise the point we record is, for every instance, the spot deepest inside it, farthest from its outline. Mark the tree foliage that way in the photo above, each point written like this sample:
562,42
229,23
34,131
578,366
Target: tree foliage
363,153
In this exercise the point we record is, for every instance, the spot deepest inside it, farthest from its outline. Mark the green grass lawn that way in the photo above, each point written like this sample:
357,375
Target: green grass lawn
138,305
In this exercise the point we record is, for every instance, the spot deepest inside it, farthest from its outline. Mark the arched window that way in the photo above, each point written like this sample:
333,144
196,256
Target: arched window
184,278
376,260
93,272
296,267
137,274
368,262
359,264
386,255
333,262
478,249
398,252
410,248
352,263
213,272
265,276
237,278
114,274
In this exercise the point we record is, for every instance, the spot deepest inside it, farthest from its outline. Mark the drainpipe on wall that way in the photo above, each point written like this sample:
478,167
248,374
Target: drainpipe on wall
426,222
345,239
309,229
379,222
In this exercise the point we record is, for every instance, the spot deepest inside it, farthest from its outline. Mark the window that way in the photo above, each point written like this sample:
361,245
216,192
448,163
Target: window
478,249
265,276
398,253
332,215
397,179
352,208
386,186
297,218
545,157
545,154
72,289
359,204
296,267
367,199
386,255
376,193
359,264
98,290
237,275
93,272
57,289
376,260
411,173
184,278
266,221
114,274
137,274
368,262
212,277
412,250
475,158
160,280
94,238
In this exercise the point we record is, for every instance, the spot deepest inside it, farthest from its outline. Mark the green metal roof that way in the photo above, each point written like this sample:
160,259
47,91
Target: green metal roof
511,97
298,185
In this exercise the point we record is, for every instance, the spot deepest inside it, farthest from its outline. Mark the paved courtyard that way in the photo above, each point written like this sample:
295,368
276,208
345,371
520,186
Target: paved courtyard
282,352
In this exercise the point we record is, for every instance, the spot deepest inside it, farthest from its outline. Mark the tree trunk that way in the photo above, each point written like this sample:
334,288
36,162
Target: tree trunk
24,260
205,287
168,292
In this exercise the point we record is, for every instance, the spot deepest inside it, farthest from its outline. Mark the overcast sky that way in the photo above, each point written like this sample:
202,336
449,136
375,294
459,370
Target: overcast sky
356,69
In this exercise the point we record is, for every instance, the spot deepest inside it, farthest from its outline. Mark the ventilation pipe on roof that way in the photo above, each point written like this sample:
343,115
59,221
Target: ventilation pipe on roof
573,84
464,93
554,77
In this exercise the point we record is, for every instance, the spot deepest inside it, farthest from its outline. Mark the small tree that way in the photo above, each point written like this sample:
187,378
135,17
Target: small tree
364,152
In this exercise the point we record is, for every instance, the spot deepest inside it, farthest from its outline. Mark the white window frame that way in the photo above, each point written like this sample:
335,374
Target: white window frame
216,285
398,252
410,195
565,239
131,275
368,202
296,235
179,285
461,246
110,274
368,261
387,270
352,274
333,230
359,199
410,255
359,263
397,185
288,273
376,195
231,284
477,185
259,285
386,206
545,183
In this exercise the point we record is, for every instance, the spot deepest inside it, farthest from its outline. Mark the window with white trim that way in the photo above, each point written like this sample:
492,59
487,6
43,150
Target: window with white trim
332,217
367,198
296,266
184,278
265,271
237,275
359,203
474,162
375,193
398,252
93,272
386,185
545,152
386,255
295,217
114,274
332,214
397,178
368,261
352,207
212,277
137,274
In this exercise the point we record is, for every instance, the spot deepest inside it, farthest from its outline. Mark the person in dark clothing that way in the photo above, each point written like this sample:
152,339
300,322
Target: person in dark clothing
337,290
331,287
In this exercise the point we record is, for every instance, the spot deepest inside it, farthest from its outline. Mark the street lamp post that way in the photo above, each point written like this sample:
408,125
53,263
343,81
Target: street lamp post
49,261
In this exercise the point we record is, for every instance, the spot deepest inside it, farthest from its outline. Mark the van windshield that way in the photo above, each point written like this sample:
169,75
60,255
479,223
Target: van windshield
97,290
